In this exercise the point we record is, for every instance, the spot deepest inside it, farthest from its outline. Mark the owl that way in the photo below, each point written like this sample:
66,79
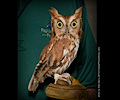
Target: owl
59,53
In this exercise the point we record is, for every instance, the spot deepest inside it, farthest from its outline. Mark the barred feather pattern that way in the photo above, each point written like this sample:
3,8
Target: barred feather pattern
56,57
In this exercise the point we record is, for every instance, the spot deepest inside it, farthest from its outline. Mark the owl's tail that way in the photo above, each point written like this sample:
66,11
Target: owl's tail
36,78
33,84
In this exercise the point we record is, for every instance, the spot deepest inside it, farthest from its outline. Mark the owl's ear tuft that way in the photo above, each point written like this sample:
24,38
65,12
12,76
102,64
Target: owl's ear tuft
53,12
79,11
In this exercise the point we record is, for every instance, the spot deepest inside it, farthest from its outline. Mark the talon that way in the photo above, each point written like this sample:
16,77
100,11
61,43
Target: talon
56,77
65,77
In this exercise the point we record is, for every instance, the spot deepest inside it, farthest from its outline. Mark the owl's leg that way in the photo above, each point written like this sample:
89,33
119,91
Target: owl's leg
65,77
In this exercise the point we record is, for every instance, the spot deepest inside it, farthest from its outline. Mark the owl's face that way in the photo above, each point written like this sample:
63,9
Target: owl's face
61,24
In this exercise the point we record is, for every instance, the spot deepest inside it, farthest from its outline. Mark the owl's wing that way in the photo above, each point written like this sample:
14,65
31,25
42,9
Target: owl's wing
56,57
42,64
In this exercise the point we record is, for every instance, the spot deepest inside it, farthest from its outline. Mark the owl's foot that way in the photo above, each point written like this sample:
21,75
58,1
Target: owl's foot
63,77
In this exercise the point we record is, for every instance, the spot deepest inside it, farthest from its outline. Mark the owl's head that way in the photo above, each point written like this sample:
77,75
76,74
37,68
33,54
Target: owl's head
61,24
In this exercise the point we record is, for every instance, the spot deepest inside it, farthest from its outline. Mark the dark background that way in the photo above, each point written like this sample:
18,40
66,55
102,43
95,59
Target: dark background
107,29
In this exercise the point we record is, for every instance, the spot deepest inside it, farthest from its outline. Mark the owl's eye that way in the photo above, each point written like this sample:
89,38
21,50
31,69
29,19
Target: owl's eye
59,24
74,24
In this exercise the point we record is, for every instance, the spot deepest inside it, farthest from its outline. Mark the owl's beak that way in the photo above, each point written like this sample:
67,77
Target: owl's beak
67,31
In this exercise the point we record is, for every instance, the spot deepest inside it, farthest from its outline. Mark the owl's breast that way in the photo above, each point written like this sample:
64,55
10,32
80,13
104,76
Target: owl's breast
60,47
58,55
62,54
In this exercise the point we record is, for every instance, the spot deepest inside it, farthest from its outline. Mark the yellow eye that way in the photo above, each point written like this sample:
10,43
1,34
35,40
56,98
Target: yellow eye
59,24
74,24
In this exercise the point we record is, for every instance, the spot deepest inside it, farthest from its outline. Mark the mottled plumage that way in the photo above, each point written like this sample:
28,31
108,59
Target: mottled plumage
62,48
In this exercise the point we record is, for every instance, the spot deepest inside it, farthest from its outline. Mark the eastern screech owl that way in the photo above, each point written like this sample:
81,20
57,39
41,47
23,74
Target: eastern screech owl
58,54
